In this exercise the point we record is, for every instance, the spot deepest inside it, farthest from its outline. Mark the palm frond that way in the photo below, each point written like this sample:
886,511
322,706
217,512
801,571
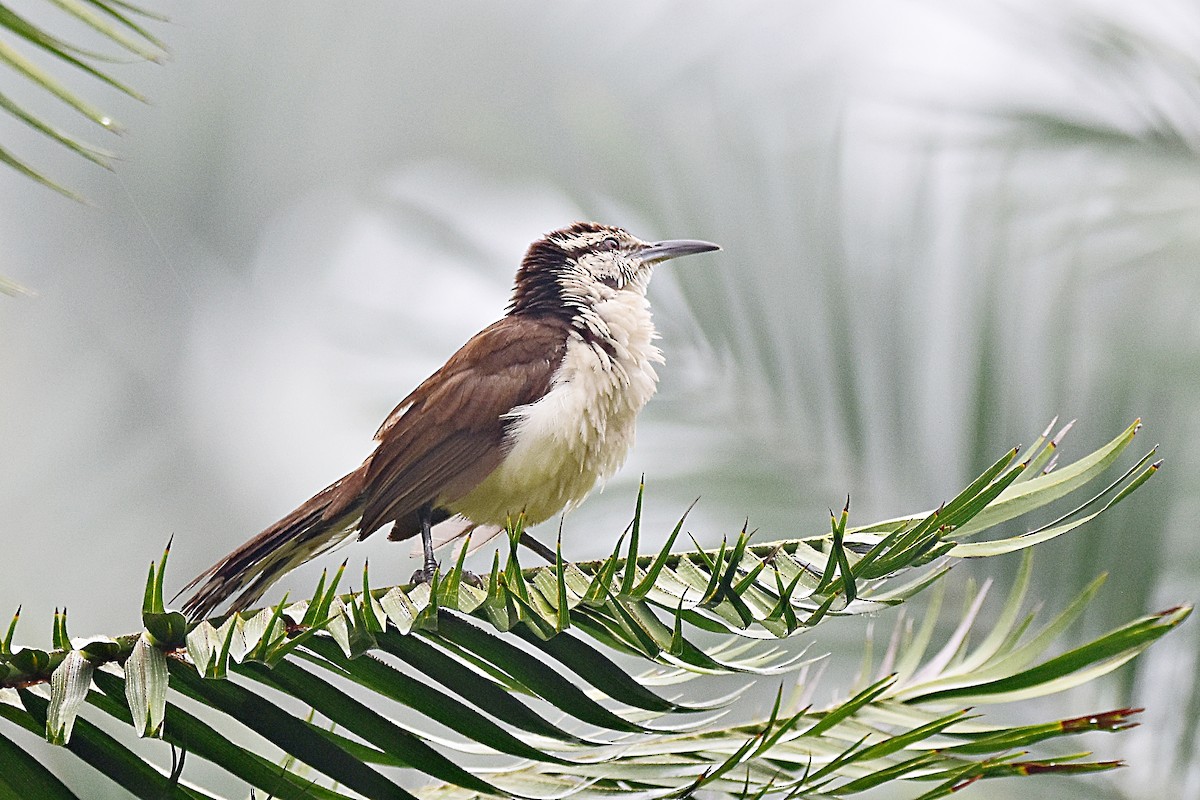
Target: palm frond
115,22
520,687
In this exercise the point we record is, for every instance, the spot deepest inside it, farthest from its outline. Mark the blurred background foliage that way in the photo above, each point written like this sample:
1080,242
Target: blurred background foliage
944,223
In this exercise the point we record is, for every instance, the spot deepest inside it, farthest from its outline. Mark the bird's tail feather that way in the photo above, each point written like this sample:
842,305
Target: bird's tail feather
321,524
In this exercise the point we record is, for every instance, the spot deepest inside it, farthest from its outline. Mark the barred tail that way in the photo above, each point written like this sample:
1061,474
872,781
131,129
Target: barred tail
325,521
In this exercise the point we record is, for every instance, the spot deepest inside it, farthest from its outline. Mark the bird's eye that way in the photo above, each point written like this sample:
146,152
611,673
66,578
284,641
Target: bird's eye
610,244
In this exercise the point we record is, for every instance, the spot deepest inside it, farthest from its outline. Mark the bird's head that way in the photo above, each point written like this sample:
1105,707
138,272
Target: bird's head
569,272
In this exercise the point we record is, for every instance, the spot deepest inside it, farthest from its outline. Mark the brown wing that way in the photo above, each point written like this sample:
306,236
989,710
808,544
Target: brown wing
448,435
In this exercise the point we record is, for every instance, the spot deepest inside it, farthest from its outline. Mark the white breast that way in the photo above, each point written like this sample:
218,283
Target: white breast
580,432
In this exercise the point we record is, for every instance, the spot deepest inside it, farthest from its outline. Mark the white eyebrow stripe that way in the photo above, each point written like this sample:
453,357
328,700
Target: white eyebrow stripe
582,241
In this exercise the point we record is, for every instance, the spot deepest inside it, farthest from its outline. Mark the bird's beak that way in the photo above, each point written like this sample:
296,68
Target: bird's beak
674,248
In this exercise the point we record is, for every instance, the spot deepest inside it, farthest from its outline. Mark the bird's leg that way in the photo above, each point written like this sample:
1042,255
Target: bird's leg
539,548
425,516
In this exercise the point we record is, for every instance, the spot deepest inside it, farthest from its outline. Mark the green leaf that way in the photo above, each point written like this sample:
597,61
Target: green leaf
39,76
274,634
29,172
629,571
133,44
368,605
112,8
100,750
529,673
643,630
1036,492
1012,660
1040,456
363,624
562,600
601,672
996,547
838,547
486,694
1101,656
59,49
190,733
600,588
888,774
124,33
1026,735
166,629
451,585
320,607
386,681
288,733
846,709
362,721
660,560
24,777
715,566
1005,631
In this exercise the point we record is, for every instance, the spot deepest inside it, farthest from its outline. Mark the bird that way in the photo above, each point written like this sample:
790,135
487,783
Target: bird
525,419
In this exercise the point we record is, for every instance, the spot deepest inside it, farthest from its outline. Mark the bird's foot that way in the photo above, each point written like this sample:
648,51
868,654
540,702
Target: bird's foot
425,575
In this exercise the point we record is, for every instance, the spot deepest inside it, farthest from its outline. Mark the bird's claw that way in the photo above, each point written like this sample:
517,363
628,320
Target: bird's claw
425,575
